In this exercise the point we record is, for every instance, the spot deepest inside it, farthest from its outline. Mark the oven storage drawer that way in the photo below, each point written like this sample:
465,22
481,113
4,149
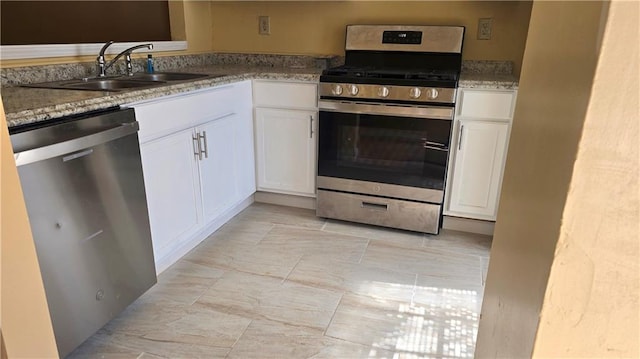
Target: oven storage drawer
413,216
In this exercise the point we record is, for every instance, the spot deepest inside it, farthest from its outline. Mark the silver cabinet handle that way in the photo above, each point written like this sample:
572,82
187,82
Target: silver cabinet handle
460,138
311,126
205,151
196,146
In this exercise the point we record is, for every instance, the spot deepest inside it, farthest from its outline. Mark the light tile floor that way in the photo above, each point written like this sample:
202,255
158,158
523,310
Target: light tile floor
278,282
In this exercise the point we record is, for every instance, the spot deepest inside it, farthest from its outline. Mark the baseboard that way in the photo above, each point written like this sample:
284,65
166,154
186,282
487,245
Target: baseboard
285,200
186,247
468,225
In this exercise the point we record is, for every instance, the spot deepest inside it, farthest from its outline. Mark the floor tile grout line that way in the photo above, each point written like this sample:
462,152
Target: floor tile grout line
265,234
240,336
364,251
291,270
207,289
324,332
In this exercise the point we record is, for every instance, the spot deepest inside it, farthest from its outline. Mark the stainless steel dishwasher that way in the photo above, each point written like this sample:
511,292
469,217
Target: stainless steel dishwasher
84,191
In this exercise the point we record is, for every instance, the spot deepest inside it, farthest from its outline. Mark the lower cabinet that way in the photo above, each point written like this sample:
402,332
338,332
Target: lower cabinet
476,164
173,190
286,150
198,163
477,171
286,122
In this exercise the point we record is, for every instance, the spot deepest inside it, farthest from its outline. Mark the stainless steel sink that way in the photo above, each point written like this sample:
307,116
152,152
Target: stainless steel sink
97,84
169,76
109,84
122,83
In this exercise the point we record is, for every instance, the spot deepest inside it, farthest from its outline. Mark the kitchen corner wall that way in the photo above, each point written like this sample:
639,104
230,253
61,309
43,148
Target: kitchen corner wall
318,27
563,279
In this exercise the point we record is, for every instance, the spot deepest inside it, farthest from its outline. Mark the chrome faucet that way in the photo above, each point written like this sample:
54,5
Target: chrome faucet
103,66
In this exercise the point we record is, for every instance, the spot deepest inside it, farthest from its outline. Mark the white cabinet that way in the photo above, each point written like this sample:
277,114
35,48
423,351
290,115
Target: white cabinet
286,150
198,163
286,136
172,200
481,134
218,166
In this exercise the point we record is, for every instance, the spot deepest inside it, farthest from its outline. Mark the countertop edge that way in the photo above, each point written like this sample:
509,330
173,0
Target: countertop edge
103,100
112,99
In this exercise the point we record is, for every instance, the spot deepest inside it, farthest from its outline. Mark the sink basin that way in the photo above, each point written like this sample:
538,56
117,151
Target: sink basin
169,76
97,84
122,83
109,84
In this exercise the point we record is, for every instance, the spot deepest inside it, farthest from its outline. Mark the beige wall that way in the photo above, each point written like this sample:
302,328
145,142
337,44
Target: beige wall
318,27
26,325
591,307
564,261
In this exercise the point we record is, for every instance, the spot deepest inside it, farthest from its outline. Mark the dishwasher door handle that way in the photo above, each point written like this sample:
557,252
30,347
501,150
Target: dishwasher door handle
75,144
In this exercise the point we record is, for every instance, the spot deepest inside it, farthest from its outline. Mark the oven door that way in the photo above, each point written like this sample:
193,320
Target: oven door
396,151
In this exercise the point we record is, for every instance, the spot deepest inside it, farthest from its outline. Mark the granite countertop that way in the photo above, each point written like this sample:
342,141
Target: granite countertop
24,105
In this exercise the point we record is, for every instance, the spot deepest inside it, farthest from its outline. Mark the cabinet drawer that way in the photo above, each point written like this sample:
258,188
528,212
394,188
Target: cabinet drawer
487,104
413,216
285,94
166,116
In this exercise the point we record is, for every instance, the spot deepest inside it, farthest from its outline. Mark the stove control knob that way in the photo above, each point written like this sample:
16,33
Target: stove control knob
353,90
432,94
383,91
336,89
415,92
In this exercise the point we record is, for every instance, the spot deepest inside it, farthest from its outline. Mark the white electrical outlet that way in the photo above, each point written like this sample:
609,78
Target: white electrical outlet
264,27
484,28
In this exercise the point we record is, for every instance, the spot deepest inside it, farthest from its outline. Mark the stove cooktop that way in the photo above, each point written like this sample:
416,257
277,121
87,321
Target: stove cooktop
388,76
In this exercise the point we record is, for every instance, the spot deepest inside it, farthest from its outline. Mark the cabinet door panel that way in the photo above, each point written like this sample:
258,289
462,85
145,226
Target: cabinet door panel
286,150
172,189
285,94
245,158
218,169
478,169
487,104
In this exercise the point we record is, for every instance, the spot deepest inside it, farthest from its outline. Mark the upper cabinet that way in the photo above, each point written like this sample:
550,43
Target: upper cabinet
476,165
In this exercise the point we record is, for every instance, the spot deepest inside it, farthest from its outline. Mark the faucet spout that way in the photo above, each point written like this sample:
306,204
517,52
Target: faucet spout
102,66
100,58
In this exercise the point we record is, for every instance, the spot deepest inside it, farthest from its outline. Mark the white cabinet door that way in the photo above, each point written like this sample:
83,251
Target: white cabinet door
218,172
286,150
478,167
173,191
244,152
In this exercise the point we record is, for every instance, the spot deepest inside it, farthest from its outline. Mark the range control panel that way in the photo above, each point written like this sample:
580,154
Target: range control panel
402,37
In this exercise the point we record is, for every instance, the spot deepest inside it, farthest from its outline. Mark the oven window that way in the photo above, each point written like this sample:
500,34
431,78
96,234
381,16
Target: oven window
396,150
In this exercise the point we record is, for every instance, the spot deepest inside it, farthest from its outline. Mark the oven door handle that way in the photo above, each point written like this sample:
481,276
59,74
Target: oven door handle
430,112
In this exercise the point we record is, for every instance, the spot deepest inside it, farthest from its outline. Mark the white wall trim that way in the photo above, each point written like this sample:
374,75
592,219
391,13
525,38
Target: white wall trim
468,225
285,200
13,52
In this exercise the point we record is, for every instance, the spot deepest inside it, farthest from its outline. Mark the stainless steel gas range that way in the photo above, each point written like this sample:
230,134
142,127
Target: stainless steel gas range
385,126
